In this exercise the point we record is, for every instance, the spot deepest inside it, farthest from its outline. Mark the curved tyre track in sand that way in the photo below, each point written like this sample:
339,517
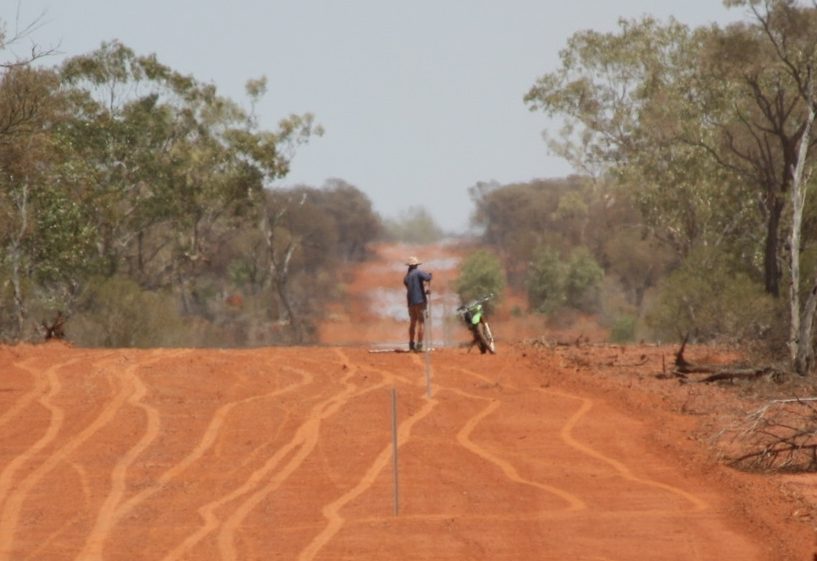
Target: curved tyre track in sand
567,435
13,501
573,502
111,510
48,381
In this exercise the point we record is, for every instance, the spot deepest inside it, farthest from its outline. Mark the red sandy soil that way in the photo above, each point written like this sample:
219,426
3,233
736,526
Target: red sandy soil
537,452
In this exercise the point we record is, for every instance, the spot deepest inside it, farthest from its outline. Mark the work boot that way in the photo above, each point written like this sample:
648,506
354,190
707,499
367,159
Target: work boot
411,346
419,347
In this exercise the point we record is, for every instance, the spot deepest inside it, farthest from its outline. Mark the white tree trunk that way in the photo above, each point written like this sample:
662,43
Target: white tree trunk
800,341
15,253
805,351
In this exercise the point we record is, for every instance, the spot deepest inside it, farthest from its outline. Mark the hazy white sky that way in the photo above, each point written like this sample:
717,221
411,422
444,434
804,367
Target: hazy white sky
420,100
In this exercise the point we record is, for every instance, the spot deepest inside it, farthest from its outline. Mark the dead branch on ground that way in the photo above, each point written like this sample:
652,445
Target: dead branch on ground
779,436
716,372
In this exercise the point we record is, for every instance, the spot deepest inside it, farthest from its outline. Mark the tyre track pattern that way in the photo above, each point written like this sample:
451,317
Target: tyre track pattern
223,514
566,435
11,502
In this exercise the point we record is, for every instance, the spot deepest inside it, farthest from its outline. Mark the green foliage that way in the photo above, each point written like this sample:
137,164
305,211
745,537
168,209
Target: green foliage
415,225
582,281
143,189
516,219
553,283
643,106
637,260
63,244
623,329
481,274
709,131
355,222
546,281
708,298
603,85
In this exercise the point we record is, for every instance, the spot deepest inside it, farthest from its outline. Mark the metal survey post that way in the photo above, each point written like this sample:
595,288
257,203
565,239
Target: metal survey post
427,348
394,451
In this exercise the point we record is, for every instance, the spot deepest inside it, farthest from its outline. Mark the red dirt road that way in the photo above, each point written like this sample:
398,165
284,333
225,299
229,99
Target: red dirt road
286,454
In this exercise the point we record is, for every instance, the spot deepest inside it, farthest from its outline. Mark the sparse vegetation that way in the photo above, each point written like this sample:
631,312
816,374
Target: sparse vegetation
415,225
481,274
135,200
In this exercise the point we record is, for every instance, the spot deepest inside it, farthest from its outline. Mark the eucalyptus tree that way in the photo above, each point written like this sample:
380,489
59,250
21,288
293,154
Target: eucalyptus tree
175,165
518,218
147,138
47,244
712,128
265,155
789,31
355,220
756,92
21,143
628,101
309,233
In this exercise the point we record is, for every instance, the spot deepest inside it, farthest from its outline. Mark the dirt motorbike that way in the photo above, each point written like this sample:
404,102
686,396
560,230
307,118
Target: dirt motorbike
473,314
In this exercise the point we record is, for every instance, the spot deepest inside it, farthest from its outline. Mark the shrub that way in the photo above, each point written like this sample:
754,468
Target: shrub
584,276
553,283
118,313
623,329
546,281
481,274
708,299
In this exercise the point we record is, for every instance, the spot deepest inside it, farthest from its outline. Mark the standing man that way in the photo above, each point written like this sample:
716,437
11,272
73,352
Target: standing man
418,288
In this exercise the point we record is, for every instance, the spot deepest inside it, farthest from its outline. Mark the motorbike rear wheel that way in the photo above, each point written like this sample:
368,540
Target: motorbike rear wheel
486,338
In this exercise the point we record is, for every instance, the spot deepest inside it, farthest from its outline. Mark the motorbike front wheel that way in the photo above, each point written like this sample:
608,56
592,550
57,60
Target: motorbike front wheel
486,338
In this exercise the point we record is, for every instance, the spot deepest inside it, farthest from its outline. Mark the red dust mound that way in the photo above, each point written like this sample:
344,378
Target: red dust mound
286,453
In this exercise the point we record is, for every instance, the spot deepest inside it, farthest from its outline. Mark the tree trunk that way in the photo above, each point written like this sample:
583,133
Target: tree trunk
283,295
16,262
19,302
279,264
280,274
771,263
800,340
804,361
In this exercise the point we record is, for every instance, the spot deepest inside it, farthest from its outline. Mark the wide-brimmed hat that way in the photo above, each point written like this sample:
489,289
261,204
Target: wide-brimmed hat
413,261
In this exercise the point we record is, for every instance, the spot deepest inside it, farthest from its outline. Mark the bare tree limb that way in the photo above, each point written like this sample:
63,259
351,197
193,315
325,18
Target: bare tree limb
20,33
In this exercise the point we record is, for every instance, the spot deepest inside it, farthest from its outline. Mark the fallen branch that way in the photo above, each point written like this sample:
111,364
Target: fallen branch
780,457
779,436
717,372
744,374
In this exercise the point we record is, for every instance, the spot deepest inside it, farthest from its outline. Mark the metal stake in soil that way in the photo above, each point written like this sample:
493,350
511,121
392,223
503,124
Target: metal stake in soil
394,448
427,348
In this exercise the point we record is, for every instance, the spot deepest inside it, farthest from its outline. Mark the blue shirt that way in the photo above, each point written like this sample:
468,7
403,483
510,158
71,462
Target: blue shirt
415,292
